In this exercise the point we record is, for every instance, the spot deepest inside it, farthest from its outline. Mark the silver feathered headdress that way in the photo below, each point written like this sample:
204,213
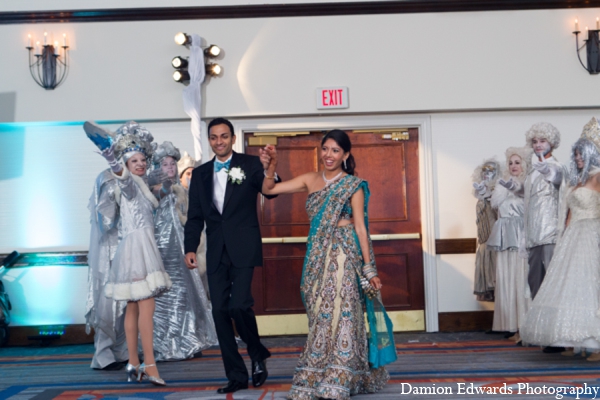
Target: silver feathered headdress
165,149
132,137
543,130
186,162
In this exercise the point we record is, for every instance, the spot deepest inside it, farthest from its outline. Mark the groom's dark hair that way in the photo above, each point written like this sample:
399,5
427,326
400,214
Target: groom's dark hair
221,121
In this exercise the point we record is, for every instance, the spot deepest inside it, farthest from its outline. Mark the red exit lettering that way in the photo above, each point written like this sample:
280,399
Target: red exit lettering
332,97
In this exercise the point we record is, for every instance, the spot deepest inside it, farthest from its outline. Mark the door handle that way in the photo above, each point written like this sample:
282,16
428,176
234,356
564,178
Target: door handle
303,239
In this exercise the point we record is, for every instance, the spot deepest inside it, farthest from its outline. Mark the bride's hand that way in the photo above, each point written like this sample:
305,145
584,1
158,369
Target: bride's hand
376,283
272,153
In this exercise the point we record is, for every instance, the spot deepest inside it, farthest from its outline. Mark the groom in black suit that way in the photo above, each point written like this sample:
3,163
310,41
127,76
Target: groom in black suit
226,201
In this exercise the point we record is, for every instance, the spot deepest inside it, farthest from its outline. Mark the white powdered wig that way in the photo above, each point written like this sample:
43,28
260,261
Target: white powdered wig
543,130
490,162
525,154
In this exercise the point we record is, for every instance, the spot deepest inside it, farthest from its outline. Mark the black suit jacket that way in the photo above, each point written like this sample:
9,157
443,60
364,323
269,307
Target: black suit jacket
237,229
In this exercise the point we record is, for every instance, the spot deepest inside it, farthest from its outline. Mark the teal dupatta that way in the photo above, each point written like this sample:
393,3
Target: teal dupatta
382,349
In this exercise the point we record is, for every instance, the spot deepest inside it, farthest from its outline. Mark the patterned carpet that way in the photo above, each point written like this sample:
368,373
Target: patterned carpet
430,366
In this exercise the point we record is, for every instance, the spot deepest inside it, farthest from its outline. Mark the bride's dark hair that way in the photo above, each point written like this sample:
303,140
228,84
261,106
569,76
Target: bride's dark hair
342,140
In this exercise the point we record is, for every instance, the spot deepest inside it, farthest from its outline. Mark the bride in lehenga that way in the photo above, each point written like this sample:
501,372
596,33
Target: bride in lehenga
339,274
566,310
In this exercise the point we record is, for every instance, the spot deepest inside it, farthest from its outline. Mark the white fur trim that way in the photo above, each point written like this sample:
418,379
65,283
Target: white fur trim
145,190
154,283
118,195
181,203
141,184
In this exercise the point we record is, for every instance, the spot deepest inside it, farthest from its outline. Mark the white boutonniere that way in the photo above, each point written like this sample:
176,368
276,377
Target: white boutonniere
236,175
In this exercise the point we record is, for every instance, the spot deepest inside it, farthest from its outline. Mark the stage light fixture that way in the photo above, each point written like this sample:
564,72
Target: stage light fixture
179,62
213,69
181,76
183,39
212,51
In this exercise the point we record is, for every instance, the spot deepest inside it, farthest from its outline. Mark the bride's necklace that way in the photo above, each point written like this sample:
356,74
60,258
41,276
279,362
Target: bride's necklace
329,181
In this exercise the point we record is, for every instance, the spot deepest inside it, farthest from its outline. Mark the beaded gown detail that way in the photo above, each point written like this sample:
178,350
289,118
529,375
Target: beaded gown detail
565,311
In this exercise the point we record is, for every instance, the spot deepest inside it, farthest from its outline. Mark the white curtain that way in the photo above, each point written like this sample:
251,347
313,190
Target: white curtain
192,96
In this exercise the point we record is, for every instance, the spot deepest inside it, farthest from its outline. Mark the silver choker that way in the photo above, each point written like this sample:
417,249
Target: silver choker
329,181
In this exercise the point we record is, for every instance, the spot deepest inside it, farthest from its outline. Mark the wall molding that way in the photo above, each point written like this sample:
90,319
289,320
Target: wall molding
285,10
467,321
455,246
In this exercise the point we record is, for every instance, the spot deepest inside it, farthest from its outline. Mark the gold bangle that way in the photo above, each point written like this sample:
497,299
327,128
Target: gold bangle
269,177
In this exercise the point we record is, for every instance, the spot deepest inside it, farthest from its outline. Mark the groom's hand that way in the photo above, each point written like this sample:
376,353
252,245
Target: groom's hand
190,260
265,158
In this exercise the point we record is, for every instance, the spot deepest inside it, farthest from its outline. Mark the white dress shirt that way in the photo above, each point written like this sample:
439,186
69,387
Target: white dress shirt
219,186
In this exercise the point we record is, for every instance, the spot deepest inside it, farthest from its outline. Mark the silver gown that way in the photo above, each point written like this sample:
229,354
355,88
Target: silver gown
102,313
137,271
566,309
183,323
511,293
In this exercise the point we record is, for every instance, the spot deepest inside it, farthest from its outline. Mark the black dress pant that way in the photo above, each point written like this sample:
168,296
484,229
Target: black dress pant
231,298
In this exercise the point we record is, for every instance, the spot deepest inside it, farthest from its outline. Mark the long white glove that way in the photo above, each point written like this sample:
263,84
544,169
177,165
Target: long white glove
109,156
480,188
510,184
155,177
158,177
542,166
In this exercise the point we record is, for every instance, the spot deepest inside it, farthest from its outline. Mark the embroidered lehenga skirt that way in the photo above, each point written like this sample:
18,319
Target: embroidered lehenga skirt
334,362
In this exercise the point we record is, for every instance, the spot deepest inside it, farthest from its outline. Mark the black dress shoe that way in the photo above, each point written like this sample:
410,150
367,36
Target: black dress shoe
233,386
550,349
259,372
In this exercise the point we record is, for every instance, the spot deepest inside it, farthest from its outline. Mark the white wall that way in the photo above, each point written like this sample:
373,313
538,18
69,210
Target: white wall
391,63
445,65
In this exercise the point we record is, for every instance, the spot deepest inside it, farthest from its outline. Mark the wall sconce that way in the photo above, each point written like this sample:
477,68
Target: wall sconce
180,64
592,46
47,66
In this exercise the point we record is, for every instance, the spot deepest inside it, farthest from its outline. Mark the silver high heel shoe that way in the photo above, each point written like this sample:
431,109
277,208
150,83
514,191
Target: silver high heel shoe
132,372
153,379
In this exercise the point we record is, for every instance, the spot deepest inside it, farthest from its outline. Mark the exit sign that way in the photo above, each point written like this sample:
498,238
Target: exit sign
332,97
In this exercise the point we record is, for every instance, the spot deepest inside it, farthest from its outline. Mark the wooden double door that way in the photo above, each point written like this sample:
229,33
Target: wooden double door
389,162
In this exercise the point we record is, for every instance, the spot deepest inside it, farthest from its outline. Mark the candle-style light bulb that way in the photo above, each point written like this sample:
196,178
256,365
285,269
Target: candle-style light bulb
38,47
29,42
64,39
56,47
576,25
597,23
45,38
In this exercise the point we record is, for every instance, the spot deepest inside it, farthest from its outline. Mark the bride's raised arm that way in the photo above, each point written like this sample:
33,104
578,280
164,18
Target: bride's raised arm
295,185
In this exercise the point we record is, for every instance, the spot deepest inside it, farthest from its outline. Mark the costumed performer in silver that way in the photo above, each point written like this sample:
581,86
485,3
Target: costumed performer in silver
566,310
185,166
507,238
183,324
542,193
103,314
137,274
484,181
